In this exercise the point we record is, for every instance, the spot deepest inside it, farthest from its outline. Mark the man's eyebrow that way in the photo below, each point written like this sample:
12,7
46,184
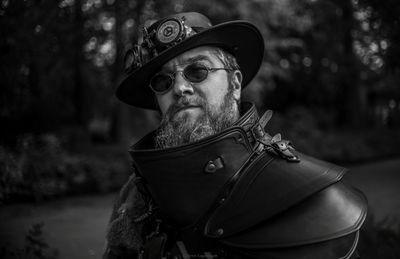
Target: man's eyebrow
198,58
190,61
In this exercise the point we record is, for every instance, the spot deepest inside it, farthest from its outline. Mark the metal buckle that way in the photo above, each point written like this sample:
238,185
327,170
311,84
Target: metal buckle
284,149
257,132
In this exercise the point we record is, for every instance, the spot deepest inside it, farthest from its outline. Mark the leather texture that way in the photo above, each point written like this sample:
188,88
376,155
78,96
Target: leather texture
250,199
177,177
270,185
340,248
184,190
332,213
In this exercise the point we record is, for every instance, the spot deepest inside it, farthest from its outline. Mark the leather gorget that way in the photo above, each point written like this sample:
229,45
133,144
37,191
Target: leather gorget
253,194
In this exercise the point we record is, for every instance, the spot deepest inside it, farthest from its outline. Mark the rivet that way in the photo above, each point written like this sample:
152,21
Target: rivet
211,167
222,200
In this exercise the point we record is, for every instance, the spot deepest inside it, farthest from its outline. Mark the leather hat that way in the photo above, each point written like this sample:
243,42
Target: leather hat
169,37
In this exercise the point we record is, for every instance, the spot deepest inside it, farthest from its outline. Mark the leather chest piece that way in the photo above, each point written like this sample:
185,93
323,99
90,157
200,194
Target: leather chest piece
185,181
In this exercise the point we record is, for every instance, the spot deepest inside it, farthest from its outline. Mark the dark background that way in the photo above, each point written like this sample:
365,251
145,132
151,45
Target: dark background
331,70
331,74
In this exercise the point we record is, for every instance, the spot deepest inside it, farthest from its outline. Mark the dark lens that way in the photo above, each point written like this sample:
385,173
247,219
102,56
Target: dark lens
195,72
161,82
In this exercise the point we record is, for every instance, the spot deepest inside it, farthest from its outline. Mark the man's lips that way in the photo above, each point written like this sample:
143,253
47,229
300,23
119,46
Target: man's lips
186,107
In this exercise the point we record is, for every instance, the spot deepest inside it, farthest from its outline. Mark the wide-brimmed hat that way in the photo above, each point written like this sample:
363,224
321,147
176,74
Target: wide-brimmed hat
173,35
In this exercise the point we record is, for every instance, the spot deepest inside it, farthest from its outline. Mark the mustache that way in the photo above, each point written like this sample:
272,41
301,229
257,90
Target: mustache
183,102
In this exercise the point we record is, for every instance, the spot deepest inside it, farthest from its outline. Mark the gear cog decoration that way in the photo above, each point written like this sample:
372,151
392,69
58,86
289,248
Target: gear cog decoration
169,31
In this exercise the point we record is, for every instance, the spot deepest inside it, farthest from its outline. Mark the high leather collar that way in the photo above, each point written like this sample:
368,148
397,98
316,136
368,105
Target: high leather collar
246,122
178,176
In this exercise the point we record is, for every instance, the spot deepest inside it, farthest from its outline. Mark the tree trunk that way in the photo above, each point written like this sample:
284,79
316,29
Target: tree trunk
121,125
81,111
353,94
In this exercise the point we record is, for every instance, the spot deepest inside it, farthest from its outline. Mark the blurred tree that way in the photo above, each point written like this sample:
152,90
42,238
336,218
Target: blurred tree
80,92
353,108
310,59
283,25
376,43
34,57
128,122
62,60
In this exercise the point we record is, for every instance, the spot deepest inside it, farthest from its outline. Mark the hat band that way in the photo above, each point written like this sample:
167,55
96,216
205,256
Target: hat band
168,33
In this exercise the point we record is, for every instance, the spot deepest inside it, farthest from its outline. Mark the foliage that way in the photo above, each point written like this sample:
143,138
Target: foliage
330,70
42,169
35,247
335,56
310,135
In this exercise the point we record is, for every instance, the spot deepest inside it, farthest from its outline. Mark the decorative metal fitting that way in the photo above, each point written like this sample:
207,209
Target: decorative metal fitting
213,165
168,33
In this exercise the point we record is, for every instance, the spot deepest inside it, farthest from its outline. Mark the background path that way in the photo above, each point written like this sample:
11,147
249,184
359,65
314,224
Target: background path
380,182
76,226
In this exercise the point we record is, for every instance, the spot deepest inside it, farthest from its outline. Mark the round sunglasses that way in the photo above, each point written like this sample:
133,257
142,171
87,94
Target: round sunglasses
195,73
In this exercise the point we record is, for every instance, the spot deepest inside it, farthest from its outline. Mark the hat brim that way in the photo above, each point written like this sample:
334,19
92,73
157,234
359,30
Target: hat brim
240,38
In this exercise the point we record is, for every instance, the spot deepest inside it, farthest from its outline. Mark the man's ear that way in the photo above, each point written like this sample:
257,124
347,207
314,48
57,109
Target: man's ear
237,84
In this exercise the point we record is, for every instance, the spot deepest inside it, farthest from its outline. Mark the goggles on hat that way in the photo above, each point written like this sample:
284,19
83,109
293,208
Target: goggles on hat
170,32
195,73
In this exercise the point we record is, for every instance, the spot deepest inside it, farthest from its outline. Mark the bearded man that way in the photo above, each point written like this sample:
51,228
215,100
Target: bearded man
210,182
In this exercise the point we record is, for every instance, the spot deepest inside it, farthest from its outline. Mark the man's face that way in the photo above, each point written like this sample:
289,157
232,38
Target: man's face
191,106
213,89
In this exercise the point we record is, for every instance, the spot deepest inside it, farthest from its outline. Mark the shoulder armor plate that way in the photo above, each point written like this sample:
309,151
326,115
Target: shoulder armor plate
268,187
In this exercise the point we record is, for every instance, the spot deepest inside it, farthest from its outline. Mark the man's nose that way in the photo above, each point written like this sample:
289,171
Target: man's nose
181,85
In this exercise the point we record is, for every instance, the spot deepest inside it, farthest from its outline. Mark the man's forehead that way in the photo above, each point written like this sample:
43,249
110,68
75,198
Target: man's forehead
206,53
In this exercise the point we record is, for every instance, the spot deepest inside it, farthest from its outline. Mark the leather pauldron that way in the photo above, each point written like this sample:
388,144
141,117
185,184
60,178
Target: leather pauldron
240,192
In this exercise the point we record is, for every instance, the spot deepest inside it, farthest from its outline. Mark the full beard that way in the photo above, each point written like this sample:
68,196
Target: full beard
183,129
